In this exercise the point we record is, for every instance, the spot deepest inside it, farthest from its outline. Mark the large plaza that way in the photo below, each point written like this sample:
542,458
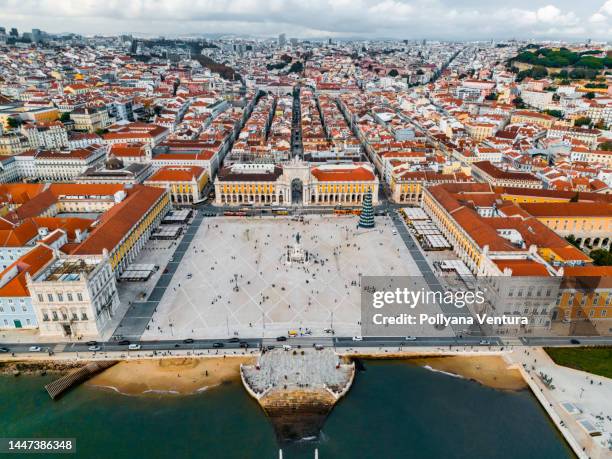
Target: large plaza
242,277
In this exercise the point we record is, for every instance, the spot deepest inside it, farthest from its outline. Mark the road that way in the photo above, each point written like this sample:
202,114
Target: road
308,341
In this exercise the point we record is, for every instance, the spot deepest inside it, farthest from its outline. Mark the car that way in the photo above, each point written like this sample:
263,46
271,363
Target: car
574,341
188,341
91,343
93,348
123,342
233,340
218,345
286,347
270,347
281,338
318,347
34,349
484,342
177,345
357,338
244,344
328,330
410,338
134,347
4,349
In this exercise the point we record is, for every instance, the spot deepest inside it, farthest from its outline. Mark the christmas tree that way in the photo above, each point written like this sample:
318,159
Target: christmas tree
366,220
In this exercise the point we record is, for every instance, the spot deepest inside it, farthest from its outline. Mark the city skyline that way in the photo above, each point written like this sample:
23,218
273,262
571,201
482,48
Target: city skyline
366,19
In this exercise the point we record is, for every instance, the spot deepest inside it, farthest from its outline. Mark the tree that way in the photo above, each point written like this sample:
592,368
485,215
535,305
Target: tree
601,257
582,121
65,117
393,73
589,95
555,113
296,67
366,219
491,96
575,198
606,146
518,101
14,123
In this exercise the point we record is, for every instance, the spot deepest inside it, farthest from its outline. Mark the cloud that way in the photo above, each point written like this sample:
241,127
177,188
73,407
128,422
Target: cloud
445,19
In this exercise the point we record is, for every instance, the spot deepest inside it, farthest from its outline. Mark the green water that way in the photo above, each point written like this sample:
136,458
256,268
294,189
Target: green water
394,410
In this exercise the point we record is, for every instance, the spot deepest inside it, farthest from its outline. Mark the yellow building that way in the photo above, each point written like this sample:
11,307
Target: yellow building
185,183
526,116
586,295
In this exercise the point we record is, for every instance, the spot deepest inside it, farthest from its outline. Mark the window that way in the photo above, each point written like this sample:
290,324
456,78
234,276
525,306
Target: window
69,295
12,308
83,316
79,297
54,314
50,297
1,309
74,316
24,308
40,298
28,322
45,317
60,297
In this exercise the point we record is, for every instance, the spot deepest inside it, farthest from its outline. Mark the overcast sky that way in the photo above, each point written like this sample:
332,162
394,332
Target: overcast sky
432,19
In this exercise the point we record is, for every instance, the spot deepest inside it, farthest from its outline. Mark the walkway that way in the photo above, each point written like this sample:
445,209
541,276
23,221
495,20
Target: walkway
428,274
139,314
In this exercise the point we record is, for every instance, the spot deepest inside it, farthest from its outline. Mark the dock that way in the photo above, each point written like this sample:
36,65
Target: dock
76,377
298,388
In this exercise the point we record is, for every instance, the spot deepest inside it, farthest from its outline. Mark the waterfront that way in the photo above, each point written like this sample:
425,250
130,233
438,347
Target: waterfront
394,409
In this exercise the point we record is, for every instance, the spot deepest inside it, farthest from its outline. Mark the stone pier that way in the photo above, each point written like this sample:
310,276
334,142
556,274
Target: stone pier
298,388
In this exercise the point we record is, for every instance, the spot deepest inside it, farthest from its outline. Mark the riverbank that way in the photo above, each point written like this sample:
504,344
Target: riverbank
38,367
489,370
178,376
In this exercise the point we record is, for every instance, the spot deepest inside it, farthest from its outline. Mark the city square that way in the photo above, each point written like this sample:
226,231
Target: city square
235,278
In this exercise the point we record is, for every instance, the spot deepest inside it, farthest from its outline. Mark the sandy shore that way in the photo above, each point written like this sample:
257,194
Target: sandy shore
491,371
179,376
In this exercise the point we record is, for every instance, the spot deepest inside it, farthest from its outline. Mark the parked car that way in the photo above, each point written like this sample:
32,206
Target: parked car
124,342
233,340
93,348
574,341
286,347
188,341
218,345
91,343
281,338
244,344
4,349
319,347
134,347
485,342
357,338
34,349
410,338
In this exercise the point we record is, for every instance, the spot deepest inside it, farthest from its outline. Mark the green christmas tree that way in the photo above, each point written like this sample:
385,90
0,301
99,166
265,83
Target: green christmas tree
366,219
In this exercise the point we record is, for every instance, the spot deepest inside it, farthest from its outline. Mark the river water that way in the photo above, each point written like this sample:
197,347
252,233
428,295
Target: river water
394,410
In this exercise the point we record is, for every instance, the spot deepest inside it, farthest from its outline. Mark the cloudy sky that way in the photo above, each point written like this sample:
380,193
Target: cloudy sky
433,19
